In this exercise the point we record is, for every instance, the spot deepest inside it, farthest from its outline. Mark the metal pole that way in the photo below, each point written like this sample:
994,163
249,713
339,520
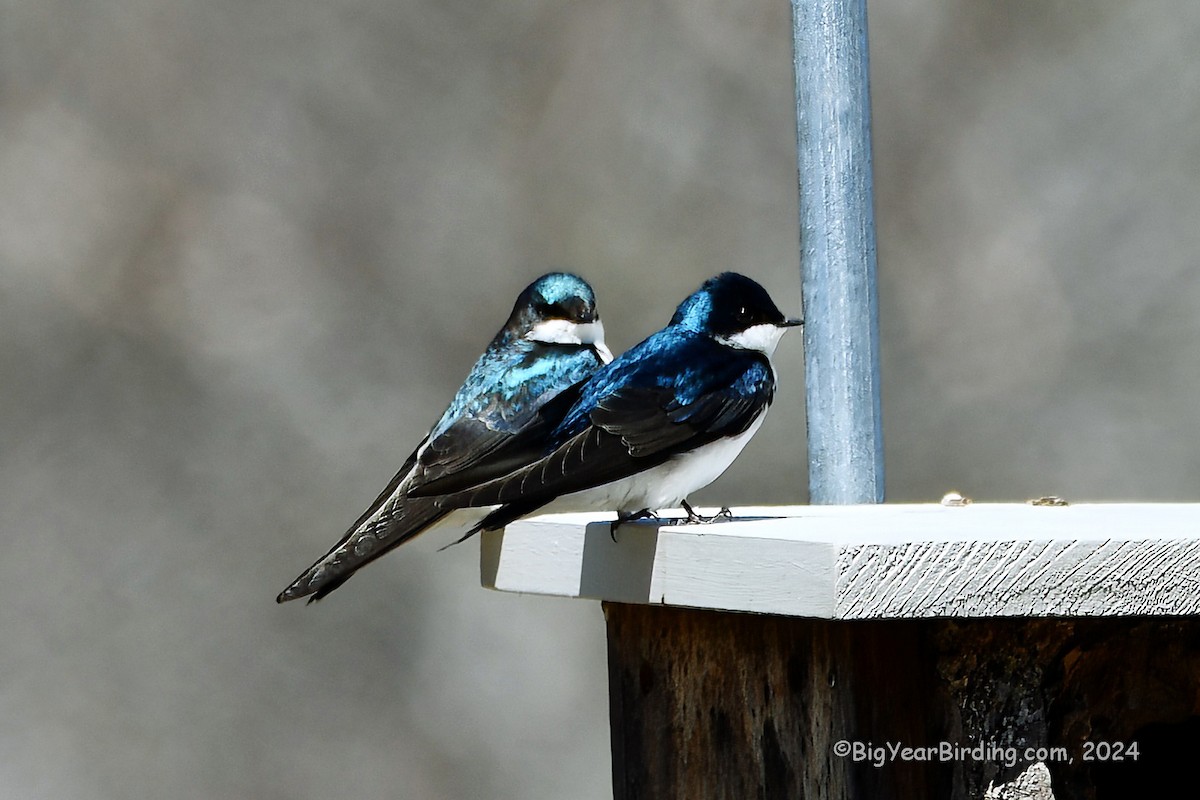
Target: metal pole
837,258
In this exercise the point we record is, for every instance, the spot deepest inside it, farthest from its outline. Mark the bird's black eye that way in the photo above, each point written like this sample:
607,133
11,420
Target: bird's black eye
574,310
743,315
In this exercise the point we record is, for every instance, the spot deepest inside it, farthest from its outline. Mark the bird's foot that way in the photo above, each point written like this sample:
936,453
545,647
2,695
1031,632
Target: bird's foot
623,517
694,518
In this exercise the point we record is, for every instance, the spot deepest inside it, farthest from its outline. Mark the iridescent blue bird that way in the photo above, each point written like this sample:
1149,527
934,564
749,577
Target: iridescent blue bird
663,420
552,340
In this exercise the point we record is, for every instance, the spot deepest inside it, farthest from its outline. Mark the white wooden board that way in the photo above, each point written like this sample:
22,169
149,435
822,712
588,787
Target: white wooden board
870,562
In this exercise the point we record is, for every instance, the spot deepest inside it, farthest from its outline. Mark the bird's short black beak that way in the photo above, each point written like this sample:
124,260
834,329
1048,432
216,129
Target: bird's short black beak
794,322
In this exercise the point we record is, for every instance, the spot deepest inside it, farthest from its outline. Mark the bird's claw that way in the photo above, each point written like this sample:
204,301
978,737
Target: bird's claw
622,518
694,518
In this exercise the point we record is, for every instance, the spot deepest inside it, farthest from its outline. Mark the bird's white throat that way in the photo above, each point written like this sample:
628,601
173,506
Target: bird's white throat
564,331
764,338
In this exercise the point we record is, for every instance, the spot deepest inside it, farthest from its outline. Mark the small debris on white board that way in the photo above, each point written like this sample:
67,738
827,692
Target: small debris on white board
955,500
1048,500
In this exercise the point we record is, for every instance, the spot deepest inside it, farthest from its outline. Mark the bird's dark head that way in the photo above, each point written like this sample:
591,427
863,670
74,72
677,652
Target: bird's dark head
735,311
559,308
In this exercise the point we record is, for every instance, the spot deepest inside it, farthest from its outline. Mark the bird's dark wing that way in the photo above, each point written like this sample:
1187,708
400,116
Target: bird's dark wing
479,438
470,452
629,430
652,422
465,452
389,522
502,424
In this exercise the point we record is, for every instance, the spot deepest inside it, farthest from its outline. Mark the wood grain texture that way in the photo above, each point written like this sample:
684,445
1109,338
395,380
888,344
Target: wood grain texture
717,705
1063,577
711,705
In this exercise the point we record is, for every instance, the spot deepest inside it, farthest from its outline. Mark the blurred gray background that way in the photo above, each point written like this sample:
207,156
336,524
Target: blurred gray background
249,250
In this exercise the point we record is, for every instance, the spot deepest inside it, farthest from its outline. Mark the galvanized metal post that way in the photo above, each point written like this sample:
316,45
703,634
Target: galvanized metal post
837,238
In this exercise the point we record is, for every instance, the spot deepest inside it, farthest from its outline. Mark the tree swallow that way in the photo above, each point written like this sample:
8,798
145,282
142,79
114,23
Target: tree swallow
664,419
553,339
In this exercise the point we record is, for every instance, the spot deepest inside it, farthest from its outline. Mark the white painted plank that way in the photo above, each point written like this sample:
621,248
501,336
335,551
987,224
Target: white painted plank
871,562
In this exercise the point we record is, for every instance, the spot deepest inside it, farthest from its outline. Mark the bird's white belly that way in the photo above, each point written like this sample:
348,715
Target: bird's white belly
663,486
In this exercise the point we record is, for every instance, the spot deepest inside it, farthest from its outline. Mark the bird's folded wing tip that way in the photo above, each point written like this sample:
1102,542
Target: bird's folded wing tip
293,592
